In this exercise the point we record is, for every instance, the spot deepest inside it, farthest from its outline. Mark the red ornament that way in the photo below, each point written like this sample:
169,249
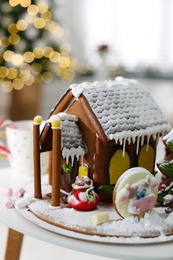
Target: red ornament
83,196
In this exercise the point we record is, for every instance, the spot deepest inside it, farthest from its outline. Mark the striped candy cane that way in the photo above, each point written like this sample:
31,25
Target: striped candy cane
6,122
4,151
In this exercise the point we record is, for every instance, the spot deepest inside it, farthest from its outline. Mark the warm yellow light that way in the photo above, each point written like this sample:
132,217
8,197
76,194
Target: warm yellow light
8,55
18,84
5,41
54,56
22,25
58,31
1,58
32,10
14,2
7,86
24,68
50,25
38,52
47,51
39,23
28,56
17,59
14,39
65,48
64,62
28,80
47,77
36,68
25,3
43,7
46,15
12,73
3,71
65,74
38,78
12,28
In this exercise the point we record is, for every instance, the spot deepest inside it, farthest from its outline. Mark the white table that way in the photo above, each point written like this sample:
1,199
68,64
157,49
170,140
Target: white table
15,222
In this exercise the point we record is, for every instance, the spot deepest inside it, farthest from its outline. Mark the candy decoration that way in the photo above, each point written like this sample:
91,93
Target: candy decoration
37,168
56,162
68,168
100,218
83,196
6,122
4,151
83,171
7,203
21,203
135,193
19,193
6,191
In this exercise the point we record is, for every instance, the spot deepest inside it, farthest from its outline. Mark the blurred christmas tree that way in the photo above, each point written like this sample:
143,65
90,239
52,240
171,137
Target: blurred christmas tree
165,194
32,49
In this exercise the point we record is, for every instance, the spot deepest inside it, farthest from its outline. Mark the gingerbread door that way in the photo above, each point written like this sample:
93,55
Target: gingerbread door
119,163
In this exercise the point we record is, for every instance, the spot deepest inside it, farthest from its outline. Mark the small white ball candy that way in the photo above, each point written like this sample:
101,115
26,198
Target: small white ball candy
100,218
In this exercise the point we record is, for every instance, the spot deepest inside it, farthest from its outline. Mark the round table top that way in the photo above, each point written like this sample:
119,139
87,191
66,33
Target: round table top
12,219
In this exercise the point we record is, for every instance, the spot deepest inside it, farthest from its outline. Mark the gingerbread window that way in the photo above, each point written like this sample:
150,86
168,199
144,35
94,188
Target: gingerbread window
119,163
146,157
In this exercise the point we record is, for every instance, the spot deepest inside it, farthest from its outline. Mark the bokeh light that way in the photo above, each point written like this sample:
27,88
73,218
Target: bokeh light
32,49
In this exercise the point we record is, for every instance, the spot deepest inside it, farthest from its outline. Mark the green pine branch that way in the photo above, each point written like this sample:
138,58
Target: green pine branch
170,144
167,168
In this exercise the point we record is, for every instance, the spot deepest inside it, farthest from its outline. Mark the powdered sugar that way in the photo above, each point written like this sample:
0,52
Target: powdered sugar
154,226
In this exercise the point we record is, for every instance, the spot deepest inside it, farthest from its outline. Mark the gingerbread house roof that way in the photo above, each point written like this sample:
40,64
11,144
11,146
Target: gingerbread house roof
121,110
124,109
71,138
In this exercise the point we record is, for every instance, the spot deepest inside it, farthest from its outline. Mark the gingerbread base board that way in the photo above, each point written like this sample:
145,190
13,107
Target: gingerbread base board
155,227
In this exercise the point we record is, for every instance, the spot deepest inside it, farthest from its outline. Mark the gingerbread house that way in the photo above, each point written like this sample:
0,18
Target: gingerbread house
106,127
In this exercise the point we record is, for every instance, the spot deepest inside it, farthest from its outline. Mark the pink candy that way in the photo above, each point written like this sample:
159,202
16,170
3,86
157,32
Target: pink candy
6,191
19,193
8,203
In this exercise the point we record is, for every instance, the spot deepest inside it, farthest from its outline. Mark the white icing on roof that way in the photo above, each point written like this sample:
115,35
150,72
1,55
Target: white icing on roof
124,108
72,143
63,116
169,136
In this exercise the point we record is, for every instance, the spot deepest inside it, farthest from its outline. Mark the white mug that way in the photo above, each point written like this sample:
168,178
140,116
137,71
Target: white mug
20,144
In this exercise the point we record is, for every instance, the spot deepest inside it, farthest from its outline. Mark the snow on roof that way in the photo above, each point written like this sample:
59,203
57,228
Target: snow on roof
124,108
72,143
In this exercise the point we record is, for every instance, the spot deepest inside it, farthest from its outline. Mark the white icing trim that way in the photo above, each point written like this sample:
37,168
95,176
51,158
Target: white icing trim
53,118
62,117
131,137
169,136
71,153
77,89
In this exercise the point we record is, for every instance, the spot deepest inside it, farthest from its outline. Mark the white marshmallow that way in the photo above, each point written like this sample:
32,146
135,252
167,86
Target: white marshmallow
21,203
100,218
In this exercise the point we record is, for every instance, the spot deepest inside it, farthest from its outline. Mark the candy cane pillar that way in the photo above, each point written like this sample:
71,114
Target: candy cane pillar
56,162
37,169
